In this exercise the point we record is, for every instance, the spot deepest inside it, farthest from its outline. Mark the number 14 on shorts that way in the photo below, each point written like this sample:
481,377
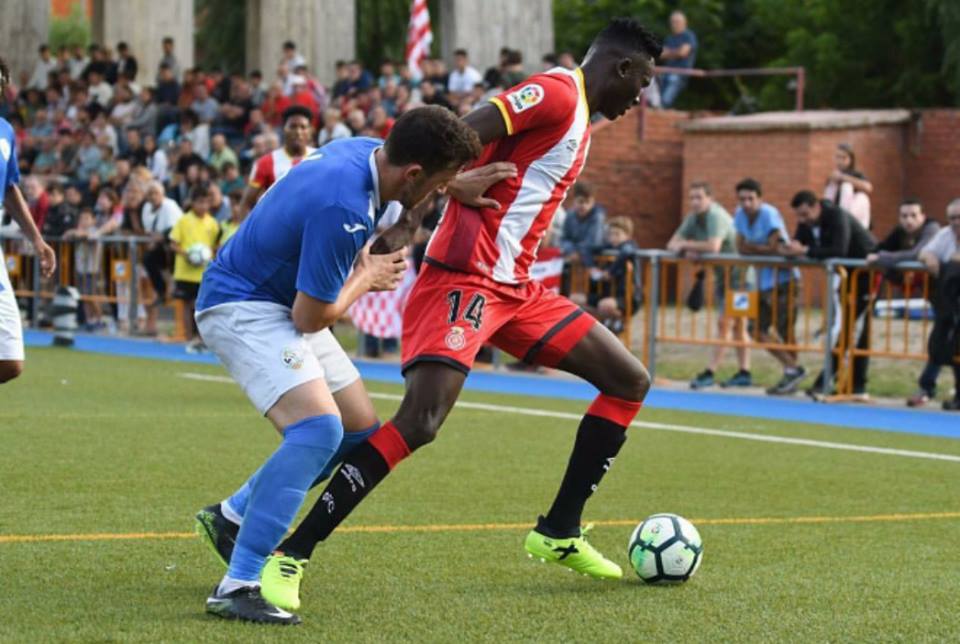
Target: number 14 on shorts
472,314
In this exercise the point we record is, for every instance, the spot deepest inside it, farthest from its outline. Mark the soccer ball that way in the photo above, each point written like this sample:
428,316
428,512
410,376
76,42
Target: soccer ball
199,254
665,548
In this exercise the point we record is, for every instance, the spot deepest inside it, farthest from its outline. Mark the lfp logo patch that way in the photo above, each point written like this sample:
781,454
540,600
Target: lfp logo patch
526,97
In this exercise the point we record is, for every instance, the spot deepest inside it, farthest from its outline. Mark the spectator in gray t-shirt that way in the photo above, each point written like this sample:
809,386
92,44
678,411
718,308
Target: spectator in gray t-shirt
204,105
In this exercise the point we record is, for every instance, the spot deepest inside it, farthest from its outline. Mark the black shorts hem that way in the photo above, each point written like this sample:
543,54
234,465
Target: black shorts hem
450,362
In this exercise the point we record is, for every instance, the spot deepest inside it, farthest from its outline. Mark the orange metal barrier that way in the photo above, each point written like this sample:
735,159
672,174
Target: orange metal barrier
106,272
593,286
898,321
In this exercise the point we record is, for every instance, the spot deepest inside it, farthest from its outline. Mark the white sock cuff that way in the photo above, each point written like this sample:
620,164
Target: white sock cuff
230,514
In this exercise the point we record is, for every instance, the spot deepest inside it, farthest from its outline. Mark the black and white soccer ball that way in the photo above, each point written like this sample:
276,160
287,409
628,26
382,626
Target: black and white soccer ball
665,549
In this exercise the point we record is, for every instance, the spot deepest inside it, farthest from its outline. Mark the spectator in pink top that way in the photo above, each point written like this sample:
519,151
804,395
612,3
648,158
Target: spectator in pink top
847,187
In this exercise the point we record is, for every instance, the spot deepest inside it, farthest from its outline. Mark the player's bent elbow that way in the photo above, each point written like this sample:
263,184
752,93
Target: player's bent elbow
10,369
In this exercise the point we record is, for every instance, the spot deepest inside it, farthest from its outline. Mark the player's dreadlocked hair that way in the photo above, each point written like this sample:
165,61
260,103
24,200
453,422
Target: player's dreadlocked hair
433,137
4,78
629,35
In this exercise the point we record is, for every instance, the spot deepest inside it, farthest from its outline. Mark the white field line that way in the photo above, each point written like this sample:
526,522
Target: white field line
685,429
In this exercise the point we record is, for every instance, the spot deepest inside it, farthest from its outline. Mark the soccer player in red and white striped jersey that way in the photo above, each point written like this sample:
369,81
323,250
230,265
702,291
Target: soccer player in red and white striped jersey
297,134
475,288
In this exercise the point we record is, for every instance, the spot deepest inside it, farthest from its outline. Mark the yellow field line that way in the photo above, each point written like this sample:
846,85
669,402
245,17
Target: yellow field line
488,527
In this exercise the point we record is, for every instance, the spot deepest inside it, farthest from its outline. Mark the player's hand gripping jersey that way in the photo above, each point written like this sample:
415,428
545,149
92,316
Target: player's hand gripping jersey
548,135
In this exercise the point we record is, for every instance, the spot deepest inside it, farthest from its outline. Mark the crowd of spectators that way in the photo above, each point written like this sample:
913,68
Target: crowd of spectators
180,160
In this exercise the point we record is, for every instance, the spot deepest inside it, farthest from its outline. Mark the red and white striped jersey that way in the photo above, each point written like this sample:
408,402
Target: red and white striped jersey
548,135
270,167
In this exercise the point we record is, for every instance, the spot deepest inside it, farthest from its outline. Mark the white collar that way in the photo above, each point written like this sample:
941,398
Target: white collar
376,179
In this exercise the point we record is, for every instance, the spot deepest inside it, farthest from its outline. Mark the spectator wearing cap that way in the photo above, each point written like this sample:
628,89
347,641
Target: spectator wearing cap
679,51
847,187
826,231
303,96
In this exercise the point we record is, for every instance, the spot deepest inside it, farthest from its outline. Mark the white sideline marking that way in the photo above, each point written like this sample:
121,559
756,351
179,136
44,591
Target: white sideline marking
685,429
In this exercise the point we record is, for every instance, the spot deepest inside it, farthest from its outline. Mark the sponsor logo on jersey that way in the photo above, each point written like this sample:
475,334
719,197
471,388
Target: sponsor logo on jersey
292,359
354,228
526,97
456,340
5,149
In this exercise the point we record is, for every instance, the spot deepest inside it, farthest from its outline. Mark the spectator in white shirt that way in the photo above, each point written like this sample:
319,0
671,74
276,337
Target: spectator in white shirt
333,128
100,91
291,58
78,62
463,78
41,70
158,216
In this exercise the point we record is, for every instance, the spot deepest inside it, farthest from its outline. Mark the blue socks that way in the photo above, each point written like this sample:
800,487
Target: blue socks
236,506
278,489
350,440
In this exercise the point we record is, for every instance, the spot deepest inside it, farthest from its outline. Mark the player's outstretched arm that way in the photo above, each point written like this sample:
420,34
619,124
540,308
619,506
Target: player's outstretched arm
16,205
370,273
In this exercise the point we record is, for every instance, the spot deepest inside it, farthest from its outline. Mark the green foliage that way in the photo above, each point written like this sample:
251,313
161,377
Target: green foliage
382,30
70,31
220,35
857,53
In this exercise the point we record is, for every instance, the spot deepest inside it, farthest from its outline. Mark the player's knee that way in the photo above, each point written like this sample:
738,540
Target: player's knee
419,427
639,382
10,369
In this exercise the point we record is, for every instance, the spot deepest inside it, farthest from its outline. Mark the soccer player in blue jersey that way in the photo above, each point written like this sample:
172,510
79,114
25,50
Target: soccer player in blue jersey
11,335
265,306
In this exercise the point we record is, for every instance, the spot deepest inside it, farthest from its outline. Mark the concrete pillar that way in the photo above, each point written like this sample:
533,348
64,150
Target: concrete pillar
143,24
324,31
482,28
24,26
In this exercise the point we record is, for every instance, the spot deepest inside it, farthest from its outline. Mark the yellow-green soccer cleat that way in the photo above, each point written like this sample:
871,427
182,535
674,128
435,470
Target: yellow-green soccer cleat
280,581
575,553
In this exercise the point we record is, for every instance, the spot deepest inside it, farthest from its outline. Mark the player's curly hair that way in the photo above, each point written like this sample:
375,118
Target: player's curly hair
4,77
629,35
432,137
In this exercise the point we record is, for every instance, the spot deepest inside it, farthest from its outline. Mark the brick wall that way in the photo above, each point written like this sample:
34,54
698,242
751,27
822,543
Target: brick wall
640,178
645,178
932,154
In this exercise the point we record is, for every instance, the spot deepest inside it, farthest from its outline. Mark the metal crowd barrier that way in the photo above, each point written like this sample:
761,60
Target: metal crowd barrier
107,271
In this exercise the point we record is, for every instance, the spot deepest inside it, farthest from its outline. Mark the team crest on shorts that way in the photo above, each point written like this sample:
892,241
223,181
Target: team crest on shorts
292,359
5,150
526,97
456,339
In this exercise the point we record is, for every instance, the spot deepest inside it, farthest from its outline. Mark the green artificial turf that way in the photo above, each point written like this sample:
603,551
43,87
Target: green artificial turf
105,445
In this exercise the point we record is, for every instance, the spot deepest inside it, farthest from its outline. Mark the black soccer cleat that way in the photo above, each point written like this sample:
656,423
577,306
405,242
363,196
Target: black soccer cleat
248,605
218,532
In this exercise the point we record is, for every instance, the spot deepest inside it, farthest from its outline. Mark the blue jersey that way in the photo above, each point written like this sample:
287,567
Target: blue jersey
9,169
304,233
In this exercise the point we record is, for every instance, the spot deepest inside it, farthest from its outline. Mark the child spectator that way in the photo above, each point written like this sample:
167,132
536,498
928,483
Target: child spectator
86,261
197,226
609,295
61,216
